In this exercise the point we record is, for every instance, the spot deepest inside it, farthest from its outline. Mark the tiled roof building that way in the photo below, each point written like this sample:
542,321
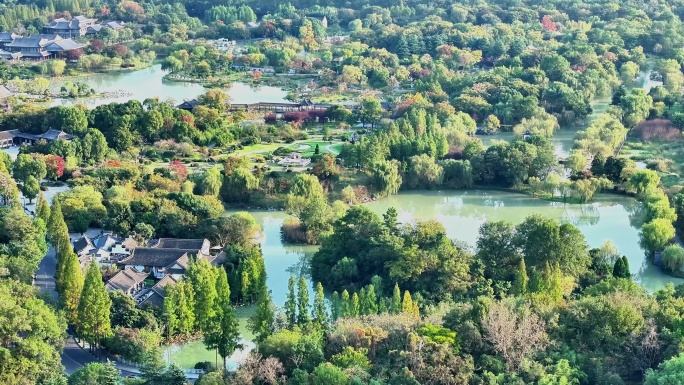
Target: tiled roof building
77,26
129,280
39,47
156,294
16,137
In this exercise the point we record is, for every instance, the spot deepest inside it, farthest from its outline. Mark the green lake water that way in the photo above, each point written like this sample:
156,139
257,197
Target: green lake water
609,218
149,83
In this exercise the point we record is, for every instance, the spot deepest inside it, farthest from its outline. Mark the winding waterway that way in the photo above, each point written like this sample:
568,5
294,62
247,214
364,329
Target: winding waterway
610,218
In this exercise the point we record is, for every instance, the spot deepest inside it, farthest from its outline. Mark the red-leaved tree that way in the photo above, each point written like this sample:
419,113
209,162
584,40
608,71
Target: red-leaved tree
55,166
548,24
179,170
97,45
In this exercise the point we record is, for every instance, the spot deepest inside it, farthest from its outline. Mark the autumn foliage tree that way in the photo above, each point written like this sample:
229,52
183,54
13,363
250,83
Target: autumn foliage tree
55,166
548,24
96,45
179,170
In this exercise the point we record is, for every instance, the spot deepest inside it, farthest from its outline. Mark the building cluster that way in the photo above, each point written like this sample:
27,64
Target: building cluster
145,270
227,46
55,41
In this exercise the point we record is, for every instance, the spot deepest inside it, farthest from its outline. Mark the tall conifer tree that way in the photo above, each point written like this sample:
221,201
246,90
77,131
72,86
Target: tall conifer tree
345,305
72,284
355,305
396,300
320,312
371,300
43,209
202,276
291,303
223,334
363,309
521,281
56,227
621,268
407,303
335,306
303,302
186,307
59,238
93,309
261,324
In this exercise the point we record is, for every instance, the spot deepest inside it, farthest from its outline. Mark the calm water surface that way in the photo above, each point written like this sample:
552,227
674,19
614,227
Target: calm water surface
148,83
610,218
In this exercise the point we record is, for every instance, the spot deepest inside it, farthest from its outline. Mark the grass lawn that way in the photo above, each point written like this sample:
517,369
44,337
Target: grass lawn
304,147
261,148
349,98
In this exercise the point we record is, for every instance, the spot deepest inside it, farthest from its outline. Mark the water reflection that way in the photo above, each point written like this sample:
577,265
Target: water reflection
610,217
149,83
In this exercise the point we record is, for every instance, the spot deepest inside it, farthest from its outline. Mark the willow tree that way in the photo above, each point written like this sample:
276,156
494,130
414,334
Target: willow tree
238,185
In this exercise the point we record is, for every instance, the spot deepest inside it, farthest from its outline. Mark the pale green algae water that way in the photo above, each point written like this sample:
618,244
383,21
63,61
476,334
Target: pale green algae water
610,217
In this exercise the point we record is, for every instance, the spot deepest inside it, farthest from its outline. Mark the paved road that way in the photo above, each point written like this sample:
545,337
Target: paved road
74,356
45,276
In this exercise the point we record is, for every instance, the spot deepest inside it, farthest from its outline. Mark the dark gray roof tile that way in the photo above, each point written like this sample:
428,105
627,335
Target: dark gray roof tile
125,280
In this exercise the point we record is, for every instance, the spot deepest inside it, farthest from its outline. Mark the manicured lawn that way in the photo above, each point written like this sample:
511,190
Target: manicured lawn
347,98
306,148
259,148
311,147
